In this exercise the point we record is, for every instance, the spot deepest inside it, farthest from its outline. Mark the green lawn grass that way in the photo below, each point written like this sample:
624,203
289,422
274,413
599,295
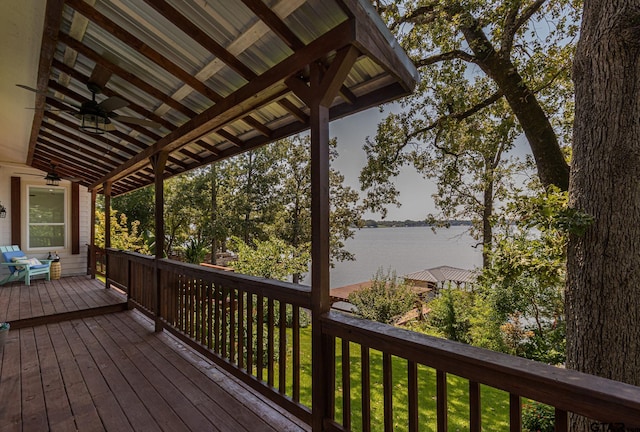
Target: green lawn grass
494,403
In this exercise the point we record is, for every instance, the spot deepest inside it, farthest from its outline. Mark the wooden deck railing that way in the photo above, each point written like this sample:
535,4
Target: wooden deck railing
249,325
96,261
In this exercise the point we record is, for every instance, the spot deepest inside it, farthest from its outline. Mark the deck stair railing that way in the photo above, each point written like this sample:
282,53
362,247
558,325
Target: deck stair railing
252,328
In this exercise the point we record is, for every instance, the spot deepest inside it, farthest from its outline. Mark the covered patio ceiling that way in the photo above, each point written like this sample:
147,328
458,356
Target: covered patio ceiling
199,80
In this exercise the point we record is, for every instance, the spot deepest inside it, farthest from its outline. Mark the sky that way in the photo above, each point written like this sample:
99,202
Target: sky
351,133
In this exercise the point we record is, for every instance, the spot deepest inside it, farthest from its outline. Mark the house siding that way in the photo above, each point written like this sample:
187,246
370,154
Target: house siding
71,264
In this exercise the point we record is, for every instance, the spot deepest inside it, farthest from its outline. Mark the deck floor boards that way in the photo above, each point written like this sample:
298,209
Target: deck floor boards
46,298
113,373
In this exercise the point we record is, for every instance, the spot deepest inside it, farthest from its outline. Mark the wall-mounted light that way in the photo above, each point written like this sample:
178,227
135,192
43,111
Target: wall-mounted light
3,211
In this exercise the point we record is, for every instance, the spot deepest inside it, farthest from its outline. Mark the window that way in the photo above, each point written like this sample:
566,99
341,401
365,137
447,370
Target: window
47,217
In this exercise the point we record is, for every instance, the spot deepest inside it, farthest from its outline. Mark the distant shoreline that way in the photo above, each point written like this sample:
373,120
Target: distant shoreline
369,223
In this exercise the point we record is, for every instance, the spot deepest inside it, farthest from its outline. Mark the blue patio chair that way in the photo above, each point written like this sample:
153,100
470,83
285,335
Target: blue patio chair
22,269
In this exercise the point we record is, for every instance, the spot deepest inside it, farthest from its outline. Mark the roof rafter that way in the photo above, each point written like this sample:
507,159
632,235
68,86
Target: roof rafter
244,100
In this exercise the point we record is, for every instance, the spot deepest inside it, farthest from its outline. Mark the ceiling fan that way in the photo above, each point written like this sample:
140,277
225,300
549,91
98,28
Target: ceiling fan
52,178
95,117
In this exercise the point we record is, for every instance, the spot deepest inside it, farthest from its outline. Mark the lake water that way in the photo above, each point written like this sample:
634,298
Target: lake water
405,250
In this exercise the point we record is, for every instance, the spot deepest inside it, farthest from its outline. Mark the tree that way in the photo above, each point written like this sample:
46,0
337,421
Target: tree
603,279
122,237
490,71
525,281
272,258
252,181
472,55
386,300
138,206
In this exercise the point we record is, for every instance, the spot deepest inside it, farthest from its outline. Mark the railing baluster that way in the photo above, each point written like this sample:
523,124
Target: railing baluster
190,301
240,329
180,303
387,389
515,413
270,341
441,398
346,385
330,387
225,314
198,310
232,325
282,355
365,369
296,353
260,337
217,318
475,420
250,333
561,421
210,302
412,378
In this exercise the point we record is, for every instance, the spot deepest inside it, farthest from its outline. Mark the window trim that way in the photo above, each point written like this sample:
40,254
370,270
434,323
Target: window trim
64,224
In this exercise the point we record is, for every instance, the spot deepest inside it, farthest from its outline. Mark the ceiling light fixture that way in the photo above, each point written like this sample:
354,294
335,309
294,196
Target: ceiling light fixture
94,123
52,178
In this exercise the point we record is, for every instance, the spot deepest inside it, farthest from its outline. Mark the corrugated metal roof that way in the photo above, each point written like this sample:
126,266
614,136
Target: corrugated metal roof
443,274
217,66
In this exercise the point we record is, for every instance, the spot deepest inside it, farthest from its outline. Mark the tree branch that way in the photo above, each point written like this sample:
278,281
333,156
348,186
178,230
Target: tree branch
421,15
455,54
514,23
461,115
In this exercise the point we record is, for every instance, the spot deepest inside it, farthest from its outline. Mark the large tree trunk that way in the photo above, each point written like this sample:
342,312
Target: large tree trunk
603,266
551,164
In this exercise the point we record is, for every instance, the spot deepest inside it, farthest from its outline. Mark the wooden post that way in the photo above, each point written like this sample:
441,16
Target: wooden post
107,227
318,95
92,235
158,161
320,262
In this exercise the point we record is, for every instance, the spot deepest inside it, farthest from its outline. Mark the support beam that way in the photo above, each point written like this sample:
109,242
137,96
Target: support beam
16,211
107,226
107,215
159,161
75,218
323,87
92,235
52,20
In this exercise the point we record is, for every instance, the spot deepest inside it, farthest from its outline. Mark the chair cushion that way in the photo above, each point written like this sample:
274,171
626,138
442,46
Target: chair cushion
32,262
11,254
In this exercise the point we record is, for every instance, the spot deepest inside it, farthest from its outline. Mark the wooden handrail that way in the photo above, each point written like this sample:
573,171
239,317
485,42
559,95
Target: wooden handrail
591,396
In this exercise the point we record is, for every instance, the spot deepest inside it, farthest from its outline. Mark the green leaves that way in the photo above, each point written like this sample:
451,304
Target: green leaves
386,300
272,258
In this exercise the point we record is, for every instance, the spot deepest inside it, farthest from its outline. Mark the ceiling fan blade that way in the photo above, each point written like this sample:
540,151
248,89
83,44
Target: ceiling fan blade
73,105
29,174
100,76
137,121
26,87
113,103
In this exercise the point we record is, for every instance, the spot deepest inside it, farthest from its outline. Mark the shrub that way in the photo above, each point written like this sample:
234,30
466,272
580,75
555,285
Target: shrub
538,417
386,300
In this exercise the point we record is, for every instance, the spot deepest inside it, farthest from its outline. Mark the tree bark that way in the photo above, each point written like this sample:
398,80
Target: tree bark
550,162
603,265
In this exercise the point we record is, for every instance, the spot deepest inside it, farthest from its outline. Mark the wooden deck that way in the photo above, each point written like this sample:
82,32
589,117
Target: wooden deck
57,300
111,372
